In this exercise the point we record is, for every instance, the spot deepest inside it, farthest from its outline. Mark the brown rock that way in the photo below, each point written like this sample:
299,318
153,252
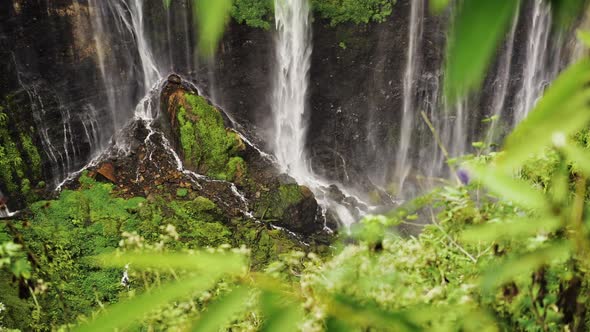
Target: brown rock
108,172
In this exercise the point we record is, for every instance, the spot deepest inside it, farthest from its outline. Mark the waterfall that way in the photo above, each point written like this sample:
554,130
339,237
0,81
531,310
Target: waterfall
293,52
536,74
289,101
151,74
409,92
501,82
124,21
514,84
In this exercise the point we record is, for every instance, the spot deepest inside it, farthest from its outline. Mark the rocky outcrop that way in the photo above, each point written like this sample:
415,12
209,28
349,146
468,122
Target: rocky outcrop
208,145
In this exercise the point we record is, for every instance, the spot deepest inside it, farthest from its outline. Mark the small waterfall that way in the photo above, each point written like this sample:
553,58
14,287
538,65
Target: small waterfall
513,86
57,145
5,212
536,75
116,21
502,82
293,52
411,74
151,74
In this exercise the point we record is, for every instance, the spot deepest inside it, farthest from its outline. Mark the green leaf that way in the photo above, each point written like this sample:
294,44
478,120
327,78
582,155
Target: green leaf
523,265
562,111
510,229
369,315
509,188
437,6
580,156
476,32
478,145
123,314
220,312
21,268
584,37
280,313
199,261
212,17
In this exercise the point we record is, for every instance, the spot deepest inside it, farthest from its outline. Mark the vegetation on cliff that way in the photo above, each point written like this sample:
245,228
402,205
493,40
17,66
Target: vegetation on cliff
20,161
260,13
206,144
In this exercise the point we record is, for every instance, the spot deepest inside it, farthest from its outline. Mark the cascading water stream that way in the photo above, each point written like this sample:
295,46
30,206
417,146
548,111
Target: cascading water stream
536,75
293,52
516,82
410,75
501,82
289,101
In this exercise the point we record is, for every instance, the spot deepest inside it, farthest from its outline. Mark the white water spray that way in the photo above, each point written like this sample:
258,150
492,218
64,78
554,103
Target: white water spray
293,56
293,52
409,92
535,74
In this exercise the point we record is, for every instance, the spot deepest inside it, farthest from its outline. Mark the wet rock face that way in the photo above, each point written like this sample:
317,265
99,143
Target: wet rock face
49,76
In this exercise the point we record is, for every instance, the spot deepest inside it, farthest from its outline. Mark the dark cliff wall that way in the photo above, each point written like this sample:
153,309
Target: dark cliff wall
49,65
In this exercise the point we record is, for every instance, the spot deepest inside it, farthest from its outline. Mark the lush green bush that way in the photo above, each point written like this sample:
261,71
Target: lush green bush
255,13
355,11
259,13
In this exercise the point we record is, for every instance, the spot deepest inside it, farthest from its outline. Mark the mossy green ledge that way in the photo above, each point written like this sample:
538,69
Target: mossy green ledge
208,146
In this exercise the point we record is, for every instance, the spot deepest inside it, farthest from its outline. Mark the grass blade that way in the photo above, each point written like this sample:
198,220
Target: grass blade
280,313
580,157
509,188
199,261
123,314
212,17
510,229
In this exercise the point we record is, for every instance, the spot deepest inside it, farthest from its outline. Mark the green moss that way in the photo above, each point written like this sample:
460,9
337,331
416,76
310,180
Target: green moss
236,170
273,205
181,192
290,193
11,161
265,245
32,154
206,144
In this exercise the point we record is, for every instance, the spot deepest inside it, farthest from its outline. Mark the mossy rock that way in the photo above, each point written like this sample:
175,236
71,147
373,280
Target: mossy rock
207,145
291,206
265,244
